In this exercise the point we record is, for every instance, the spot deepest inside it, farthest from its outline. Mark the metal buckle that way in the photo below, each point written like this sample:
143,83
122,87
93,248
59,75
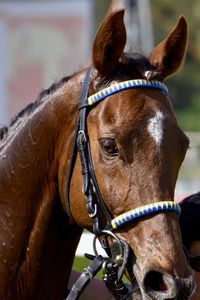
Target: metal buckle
82,135
119,258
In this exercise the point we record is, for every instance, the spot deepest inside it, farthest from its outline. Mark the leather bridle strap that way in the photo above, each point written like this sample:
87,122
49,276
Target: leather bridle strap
84,94
90,186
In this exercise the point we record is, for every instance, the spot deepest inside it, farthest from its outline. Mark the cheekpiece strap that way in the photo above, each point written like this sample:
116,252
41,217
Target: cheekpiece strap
145,210
117,87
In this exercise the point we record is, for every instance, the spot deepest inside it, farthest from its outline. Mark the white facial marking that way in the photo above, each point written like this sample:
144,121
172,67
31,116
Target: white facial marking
155,127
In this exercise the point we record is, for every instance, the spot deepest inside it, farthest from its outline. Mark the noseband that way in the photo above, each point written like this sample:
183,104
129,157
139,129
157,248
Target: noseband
103,222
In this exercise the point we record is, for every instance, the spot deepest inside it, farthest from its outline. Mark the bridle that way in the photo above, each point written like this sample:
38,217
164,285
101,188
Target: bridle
103,222
94,199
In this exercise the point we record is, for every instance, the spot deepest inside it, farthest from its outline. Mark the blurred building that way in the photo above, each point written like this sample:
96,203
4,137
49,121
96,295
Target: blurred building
40,42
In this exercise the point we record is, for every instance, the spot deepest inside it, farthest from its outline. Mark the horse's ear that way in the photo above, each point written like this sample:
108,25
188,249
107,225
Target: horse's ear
109,43
167,56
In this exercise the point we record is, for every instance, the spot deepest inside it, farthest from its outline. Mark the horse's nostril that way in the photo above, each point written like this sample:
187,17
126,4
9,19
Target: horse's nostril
159,285
154,281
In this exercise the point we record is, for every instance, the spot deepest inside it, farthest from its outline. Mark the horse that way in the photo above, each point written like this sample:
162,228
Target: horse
126,126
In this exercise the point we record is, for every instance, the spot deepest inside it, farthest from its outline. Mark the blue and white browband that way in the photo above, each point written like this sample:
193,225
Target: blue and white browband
117,87
145,210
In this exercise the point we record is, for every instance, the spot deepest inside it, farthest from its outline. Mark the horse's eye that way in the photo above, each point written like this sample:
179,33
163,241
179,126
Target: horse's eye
109,147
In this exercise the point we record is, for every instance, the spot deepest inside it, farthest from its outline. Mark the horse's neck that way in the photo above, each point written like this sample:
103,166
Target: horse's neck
29,190
28,162
45,270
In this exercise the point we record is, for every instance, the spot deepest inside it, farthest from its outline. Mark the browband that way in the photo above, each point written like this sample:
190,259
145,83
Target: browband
120,86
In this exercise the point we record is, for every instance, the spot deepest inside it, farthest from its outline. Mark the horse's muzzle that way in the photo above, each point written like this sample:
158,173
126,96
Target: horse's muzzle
160,286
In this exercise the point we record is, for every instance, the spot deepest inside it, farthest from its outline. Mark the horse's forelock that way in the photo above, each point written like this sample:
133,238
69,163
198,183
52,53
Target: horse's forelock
131,66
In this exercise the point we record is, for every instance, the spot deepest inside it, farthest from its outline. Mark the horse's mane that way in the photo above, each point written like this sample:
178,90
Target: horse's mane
3,132
133,65
43,95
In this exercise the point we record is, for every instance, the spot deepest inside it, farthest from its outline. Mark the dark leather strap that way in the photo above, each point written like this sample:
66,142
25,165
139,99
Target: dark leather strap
90,185
84,93
85,278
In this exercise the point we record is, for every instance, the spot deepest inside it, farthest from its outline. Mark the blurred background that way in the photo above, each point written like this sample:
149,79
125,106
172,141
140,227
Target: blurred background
41,41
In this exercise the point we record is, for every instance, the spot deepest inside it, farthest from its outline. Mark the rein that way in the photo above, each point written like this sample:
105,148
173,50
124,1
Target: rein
103,221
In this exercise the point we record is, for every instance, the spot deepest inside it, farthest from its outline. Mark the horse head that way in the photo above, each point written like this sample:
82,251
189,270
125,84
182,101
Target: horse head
137,149
131,149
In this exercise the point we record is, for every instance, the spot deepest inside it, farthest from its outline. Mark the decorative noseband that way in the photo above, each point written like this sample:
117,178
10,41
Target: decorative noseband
117,87
145,210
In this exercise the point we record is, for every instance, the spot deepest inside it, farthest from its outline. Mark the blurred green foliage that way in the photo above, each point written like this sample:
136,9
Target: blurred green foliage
80,263
184,87
101,8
